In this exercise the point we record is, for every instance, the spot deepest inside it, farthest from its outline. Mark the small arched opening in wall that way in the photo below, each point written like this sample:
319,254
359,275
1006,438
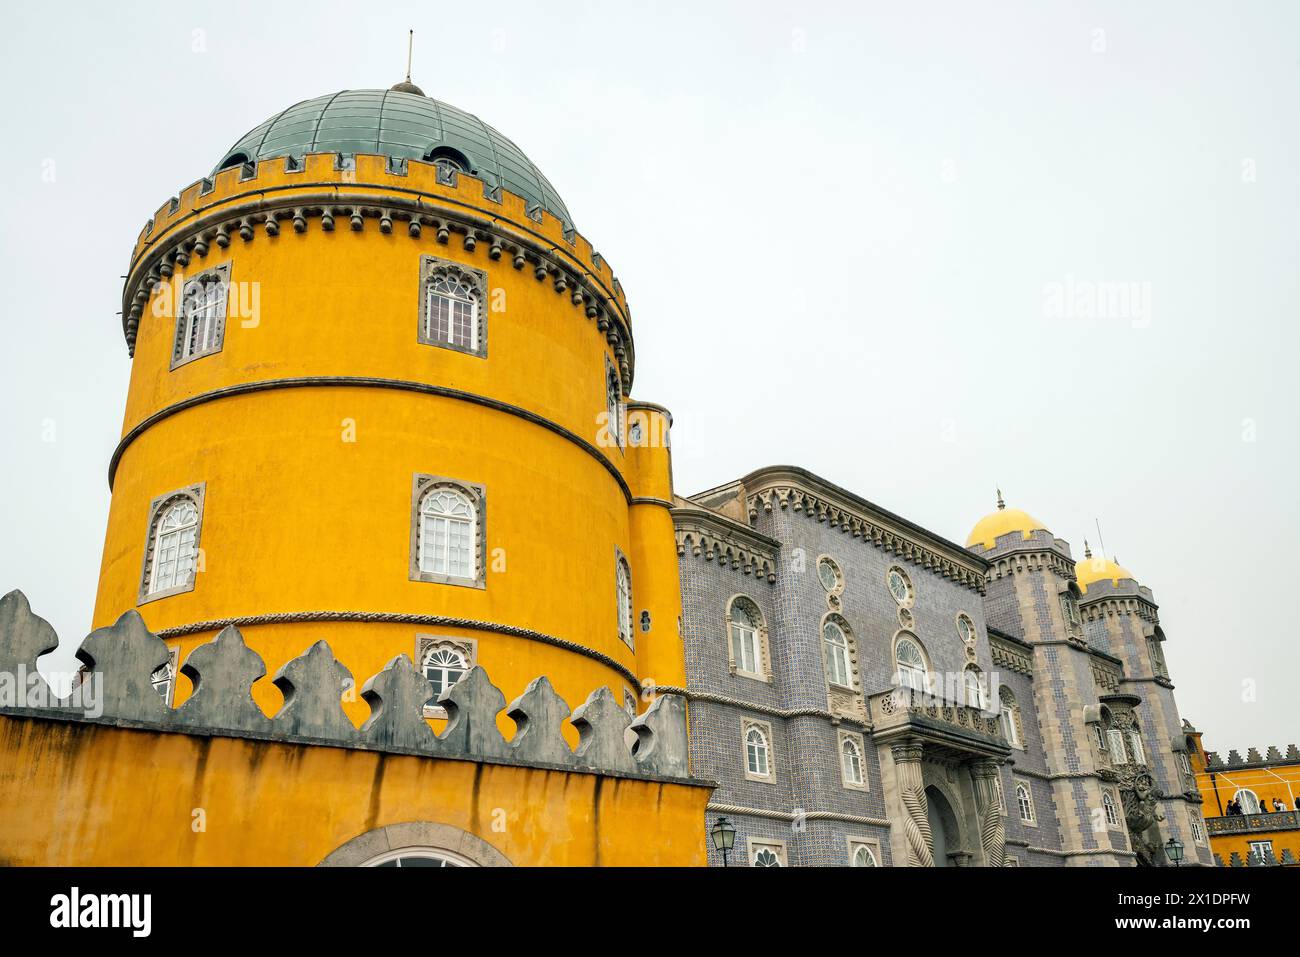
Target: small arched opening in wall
416,844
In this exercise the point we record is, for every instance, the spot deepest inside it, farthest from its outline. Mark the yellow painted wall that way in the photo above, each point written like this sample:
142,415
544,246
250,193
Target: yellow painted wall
86,795
298,519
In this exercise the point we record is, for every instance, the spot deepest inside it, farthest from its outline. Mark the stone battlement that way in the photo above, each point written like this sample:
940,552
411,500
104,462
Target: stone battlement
1253,759
122,658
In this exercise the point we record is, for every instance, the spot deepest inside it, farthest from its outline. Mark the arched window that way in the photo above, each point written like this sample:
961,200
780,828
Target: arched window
446,533
1158,666
837,654
1108,805
757,757
201,319
1024,802
909,660
1116,741
175,546
851,761
453,304
1248,800
1135,747
451,311
614,403
1009,716
973,682
746,640
623,589
862,857
443,665
419,857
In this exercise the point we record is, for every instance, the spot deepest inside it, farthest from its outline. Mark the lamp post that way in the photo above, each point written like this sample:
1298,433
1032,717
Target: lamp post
1174,851
724,837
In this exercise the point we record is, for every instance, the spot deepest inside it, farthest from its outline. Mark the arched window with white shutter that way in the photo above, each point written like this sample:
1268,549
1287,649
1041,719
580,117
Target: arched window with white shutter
447,535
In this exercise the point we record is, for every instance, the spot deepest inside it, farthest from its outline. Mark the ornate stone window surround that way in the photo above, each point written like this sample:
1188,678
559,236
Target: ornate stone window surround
423,484
758,844
764,728
905,635
201,281
857,741
897,570
834,566
764,672
195,494
1010,708
432,270
628,622
872,846
615,406
467,648
1025,803
850,653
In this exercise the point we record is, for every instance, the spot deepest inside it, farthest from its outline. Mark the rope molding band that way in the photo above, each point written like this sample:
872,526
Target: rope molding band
360,382
790,816
712,698
399,618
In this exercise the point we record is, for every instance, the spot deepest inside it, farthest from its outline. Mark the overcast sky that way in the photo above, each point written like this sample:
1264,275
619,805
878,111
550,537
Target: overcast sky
855,237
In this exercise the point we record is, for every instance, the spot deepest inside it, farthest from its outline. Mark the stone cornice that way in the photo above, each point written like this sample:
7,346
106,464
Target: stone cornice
1116,604
1032,560
715,537
800,490
1012,655
714,698
338,200
803,815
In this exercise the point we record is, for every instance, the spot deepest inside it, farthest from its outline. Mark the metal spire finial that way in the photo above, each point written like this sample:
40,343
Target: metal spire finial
410,47
1087,552
1001,504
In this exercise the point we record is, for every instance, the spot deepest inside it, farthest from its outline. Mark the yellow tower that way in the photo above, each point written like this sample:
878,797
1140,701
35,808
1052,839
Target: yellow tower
379,389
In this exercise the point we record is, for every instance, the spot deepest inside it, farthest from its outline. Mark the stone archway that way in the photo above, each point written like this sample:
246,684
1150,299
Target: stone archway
944,829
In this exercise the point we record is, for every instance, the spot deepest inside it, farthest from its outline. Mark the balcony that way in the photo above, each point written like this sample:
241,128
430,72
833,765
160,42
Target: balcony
943,726
1253,823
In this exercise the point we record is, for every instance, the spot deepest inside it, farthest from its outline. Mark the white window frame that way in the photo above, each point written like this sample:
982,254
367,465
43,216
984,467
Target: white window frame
151,586
202,311
1198,830
623,604
1026,806
911,671
739,635
1009,717
1118,750
763,760
1134,740
859,844
423,487
1110,808
910,598
856,742
1256,848
839,667
425,645
615,407
166,685
1253,797
981,693
461,287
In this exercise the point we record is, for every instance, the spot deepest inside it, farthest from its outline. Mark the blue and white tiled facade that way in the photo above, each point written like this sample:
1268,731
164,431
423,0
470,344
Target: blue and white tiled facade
951,777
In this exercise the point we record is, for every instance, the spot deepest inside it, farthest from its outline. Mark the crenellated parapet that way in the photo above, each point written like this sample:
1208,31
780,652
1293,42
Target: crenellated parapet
276,198
1253,759
116,689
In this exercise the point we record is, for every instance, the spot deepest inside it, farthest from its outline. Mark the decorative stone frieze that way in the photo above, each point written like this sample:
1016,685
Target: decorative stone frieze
820,506
714,537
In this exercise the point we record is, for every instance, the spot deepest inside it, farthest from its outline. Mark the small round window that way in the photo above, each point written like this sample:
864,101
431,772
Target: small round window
966,629
899,586
830,575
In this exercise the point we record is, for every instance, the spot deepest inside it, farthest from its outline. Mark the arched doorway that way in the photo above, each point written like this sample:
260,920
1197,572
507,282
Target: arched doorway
943,826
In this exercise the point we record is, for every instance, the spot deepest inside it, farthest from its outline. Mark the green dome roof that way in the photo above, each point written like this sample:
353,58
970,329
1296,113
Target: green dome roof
400,124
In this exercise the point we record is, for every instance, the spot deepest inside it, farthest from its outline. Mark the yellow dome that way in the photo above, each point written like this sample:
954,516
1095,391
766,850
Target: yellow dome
996,524
1095,568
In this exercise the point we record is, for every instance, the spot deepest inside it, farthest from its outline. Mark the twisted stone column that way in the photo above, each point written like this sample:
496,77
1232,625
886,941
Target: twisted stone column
993,837
916,827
